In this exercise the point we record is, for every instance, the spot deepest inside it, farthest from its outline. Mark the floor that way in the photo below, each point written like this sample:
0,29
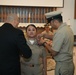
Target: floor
74,59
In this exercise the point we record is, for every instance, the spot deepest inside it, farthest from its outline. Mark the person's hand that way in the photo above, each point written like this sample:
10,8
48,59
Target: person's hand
49,42
41,41
48,46
38,37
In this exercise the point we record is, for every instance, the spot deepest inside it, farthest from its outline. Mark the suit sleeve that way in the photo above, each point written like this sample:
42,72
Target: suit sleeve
22,45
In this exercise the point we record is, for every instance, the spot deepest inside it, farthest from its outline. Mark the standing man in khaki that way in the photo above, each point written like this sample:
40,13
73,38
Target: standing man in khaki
12,43
62,46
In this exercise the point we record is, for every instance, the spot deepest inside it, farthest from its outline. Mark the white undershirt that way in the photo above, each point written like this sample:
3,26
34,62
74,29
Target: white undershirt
31,41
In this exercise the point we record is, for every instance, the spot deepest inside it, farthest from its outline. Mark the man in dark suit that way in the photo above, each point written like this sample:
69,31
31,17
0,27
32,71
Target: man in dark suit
12,44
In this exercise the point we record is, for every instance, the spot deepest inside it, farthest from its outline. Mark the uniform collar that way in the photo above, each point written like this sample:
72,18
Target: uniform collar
62,25
28,41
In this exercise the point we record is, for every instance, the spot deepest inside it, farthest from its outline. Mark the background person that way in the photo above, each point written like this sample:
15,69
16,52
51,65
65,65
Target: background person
46,34
47,30
62,46
12,43
37,63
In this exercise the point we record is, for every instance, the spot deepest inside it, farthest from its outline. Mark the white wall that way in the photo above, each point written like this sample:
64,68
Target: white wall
47,3
68,14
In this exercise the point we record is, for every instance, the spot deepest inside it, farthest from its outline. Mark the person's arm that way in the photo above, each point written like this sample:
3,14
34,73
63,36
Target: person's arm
50,50
44,36
44,61
22,45
48,36
44,65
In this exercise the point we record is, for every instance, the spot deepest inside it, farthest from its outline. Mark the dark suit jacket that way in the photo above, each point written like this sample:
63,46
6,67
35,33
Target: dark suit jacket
12,42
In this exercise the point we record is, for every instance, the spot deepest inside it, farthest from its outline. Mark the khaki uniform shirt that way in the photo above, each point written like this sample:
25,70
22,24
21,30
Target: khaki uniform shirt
38,52
63,43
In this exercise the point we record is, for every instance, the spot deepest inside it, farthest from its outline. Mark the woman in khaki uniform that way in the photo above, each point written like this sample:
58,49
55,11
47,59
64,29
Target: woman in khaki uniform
36,65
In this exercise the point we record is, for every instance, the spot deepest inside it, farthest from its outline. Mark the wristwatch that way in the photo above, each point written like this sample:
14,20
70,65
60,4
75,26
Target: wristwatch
44,44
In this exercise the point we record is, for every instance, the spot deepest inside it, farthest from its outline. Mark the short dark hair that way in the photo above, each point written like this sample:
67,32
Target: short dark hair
31,25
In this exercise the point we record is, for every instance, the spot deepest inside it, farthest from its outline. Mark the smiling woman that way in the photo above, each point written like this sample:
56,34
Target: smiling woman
42,3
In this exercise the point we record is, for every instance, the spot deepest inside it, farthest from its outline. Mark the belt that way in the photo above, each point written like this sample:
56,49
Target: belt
31,65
